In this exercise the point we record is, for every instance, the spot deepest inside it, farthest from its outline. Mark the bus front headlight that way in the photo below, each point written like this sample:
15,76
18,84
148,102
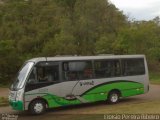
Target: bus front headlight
19,96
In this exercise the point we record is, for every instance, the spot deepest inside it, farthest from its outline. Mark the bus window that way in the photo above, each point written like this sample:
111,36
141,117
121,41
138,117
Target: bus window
48,73
77,70
107,68
32,77
133,67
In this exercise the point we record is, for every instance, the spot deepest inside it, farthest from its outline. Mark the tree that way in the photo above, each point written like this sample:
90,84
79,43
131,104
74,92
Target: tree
9,61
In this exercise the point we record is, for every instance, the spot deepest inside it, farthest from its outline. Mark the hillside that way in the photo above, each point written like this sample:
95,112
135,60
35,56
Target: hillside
33,28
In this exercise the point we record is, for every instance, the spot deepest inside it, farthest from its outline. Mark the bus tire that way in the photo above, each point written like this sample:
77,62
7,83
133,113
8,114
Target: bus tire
113,97
37,107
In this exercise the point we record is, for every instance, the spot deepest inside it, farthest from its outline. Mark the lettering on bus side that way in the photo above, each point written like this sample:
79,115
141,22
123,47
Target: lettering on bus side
86,83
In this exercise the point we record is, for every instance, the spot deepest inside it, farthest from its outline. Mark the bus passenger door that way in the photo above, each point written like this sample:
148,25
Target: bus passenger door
73,73
69,81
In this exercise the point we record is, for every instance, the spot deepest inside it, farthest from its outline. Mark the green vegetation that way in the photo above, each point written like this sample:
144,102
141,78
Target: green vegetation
3,101
34,28
155,78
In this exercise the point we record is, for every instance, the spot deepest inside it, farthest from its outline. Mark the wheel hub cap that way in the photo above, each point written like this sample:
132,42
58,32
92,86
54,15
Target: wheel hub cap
38,107
114,98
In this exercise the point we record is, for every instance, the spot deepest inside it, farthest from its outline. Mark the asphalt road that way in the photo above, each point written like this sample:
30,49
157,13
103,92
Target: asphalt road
51,114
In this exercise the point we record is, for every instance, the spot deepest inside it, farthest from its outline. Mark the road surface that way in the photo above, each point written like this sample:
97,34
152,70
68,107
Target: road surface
153,94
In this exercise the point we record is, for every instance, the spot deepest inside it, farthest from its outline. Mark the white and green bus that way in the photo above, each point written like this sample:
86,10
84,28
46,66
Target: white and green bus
50,82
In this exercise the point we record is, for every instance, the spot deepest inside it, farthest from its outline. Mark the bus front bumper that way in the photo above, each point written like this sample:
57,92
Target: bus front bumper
16,105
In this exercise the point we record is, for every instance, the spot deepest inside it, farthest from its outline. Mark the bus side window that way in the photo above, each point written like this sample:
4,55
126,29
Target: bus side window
77,70
116,70
133,67
65,70
32,77
48,73
107,68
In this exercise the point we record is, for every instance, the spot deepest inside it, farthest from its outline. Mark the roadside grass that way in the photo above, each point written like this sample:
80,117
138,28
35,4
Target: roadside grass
148,107
3,101
154,78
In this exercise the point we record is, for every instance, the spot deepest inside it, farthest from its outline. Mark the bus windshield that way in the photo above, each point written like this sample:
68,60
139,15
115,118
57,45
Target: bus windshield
22,75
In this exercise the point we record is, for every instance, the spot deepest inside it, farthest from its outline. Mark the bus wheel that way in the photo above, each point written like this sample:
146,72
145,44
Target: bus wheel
113,97
37,107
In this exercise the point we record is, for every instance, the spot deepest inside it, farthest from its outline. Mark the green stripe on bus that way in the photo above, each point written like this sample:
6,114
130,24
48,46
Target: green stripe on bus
99,93
126,88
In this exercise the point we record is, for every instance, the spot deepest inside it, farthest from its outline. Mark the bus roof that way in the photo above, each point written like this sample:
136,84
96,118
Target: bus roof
66,58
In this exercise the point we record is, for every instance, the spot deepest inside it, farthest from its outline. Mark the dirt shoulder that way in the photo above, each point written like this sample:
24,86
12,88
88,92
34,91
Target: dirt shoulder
153,93
4,92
